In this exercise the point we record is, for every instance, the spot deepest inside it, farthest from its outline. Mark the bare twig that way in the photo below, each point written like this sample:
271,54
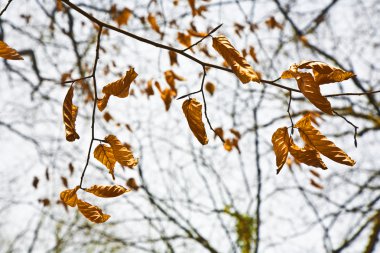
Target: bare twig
199,41
352,124
5,8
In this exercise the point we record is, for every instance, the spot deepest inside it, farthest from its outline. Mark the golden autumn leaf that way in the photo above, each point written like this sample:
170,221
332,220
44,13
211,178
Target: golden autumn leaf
170,78
193,113
219,132
319,142
315,184
210,87
131,183
184,39
69,197
281,142
231,143
306,155
272,23
194,33
122,17
173,58
122,154
194,11
107,191
167,95
153,23
119,88
104,154
9,53
239,65
324,73
310,89
92,213
69,115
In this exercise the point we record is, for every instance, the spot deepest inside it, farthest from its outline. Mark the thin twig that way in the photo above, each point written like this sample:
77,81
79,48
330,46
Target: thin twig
94,105
352,94
352,124
288,110
199,41
188,94
78,79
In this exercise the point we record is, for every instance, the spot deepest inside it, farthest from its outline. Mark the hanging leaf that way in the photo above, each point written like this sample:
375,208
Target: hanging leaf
131,183
69,197
93,213
149,88
193,113
272,23
184,39
167,95
122,154
239,65
107,191
122,17
210,87
170,78
153,23
194,11
324,73
104,154
9,53
69,115
119,88
315,184
310,89
306,155
173,58
280,141
318,141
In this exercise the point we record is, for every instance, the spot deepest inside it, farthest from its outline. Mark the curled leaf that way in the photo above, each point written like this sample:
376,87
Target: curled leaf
280,141
324,73
319,142
173,58
9,53
239,65
153,23
210,87
122,154
107,191
131,183
119,88
104,154
307,155
184,39
193,113
93,213
69,197
69,116
170,78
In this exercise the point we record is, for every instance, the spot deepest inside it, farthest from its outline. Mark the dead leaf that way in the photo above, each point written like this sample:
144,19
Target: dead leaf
281,142
69,197
69,115
107,191
93,213
104,154
122,154
9,53
239,65
193,113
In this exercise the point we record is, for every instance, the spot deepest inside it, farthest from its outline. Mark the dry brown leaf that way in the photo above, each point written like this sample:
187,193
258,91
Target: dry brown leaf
272,23
107,116
153,23
194,11
35,182
193,113
107,191
93,213
69,115
173,58
210,87
310,89
239,65
252,53
318,141
231,143
122,154
131,183
104,154
219,132
122,17
184,39
324,73
195,33
119,88
281,142
170,78
315,184
306,155
69,197
9,53
167,96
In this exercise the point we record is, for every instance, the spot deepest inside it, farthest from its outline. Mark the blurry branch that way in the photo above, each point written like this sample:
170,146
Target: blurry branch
5,8
17,132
